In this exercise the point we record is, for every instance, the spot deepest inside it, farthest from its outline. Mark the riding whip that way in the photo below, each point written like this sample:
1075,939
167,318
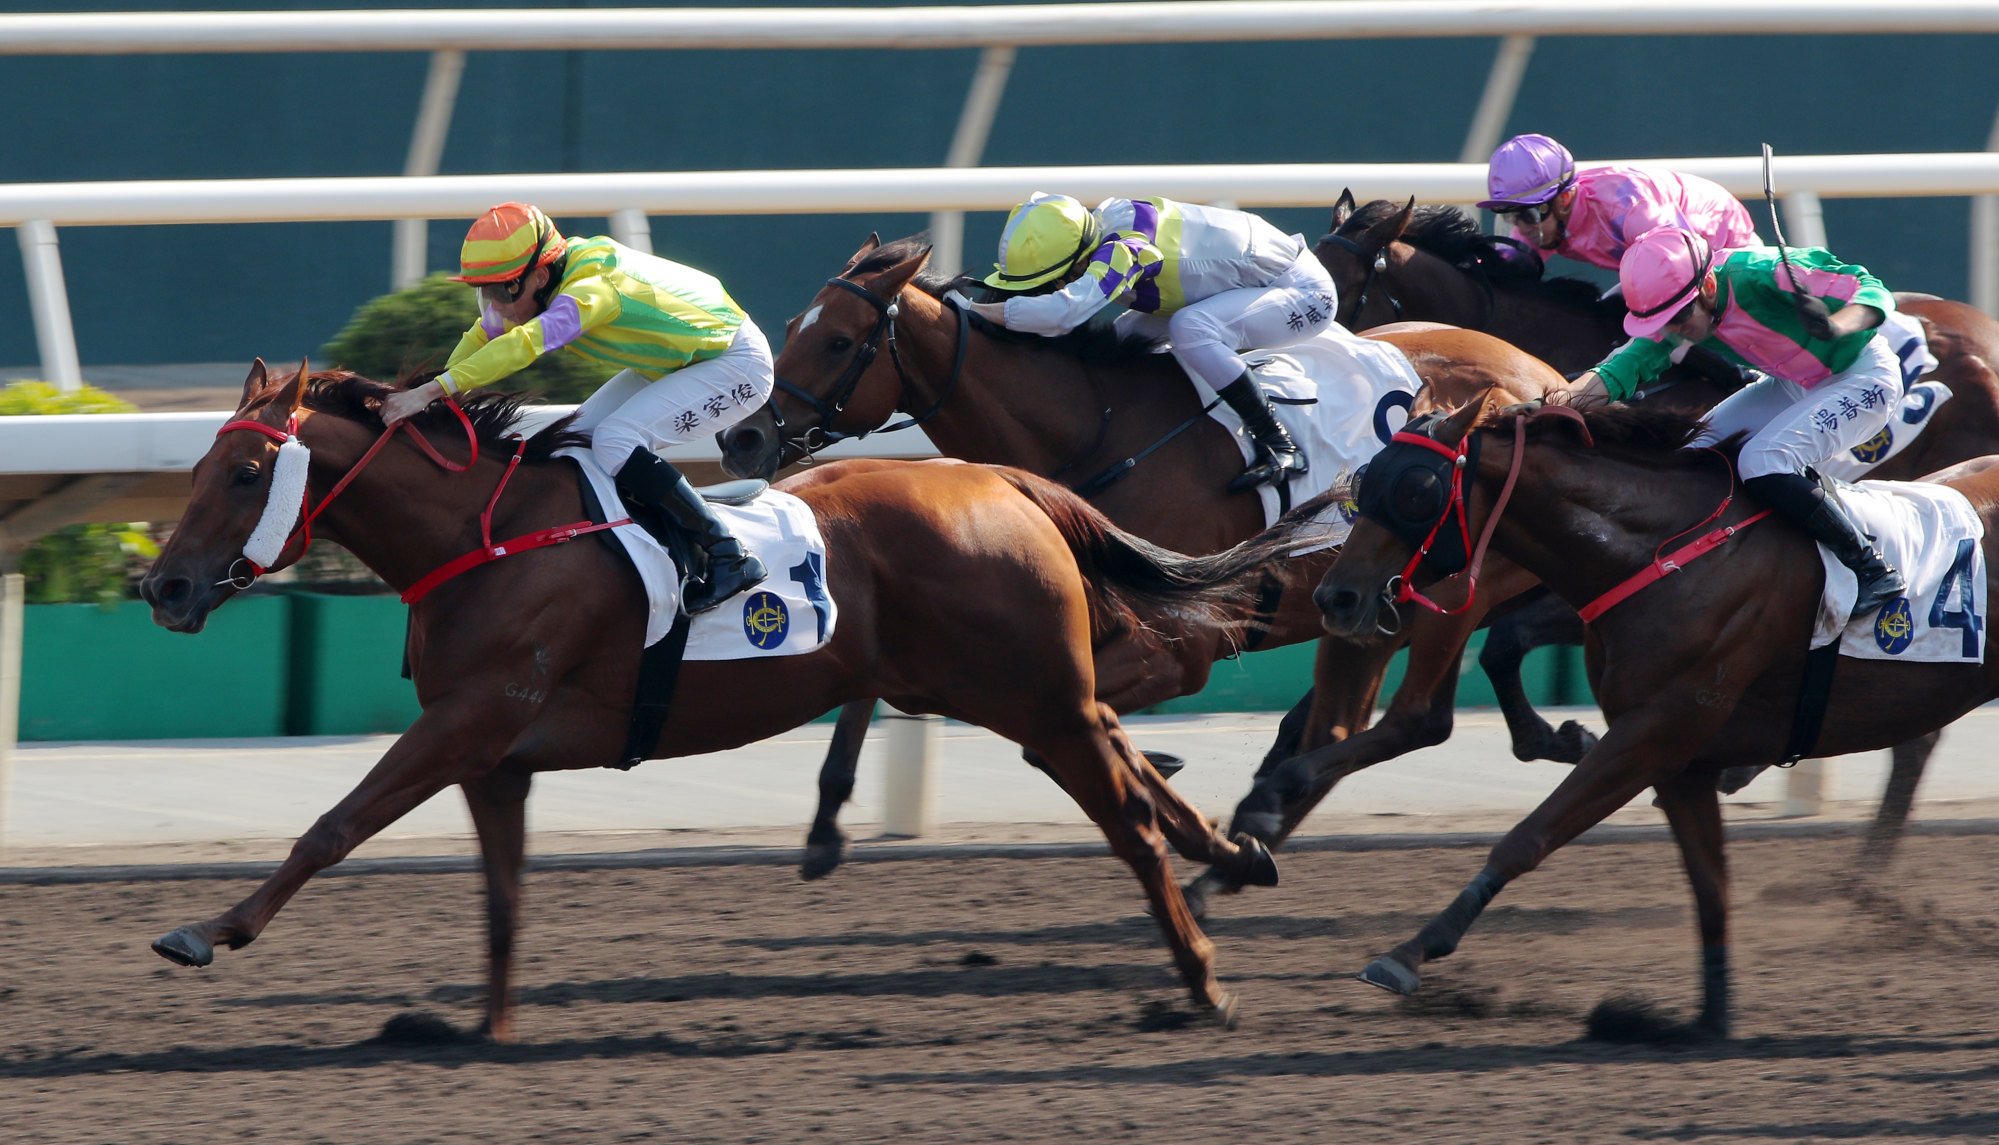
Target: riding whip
1810,310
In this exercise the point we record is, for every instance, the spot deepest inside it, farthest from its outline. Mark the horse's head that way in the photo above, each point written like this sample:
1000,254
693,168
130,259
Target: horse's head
1362,253
1415,523
830,383
204,562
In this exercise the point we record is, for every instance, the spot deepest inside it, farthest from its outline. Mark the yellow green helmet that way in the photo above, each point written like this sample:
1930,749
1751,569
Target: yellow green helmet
1043,238
507,242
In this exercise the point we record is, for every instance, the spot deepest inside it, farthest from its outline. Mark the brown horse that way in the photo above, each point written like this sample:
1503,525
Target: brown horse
530,663
1395,260
1114,419
1696,672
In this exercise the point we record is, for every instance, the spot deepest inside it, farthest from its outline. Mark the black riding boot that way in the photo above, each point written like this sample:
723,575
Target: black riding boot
652,482
1820,514
1277,456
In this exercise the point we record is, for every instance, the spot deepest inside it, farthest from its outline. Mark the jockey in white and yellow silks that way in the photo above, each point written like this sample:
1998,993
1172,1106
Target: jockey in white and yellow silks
684,361
1215,283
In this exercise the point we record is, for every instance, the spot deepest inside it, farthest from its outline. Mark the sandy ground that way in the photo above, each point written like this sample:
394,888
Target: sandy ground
1018,999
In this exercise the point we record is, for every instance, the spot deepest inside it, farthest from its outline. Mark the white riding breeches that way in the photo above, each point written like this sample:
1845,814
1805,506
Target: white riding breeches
1209,336
1791,428
632,411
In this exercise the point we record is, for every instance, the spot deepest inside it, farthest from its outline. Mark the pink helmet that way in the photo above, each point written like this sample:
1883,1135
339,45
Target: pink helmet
1527,169
1660,273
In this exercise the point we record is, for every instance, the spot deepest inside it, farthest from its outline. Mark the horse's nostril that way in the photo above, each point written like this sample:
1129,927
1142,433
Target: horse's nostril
1339,602
172,590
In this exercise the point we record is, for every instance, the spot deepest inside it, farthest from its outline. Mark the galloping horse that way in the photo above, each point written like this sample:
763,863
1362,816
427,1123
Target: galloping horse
1395,260
531,663
1117,421
1696,672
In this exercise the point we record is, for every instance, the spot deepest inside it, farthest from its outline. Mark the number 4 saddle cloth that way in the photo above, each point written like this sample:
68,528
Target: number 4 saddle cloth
790,614
1931,534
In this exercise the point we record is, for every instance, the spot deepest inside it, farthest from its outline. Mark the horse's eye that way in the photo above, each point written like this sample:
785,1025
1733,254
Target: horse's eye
246,474
839,345
1418,495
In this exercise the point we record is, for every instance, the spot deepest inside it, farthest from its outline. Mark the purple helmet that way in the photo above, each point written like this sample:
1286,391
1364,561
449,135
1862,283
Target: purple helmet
1526,170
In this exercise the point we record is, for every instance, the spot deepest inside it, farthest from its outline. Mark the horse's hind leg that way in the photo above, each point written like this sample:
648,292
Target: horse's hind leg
1547,621
1090,769
1911,757
1191,833
826,842
498,803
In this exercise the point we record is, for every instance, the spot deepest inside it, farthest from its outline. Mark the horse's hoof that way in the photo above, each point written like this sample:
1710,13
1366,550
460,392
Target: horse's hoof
1227,1010
1259,866
1165,763
820,861
1391,975
185,947
1572,742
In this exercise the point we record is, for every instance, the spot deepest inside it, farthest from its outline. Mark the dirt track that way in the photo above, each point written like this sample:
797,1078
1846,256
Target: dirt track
1019,1000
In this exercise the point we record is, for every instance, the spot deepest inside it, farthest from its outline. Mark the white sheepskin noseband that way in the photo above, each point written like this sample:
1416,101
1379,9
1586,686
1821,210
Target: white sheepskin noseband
281,512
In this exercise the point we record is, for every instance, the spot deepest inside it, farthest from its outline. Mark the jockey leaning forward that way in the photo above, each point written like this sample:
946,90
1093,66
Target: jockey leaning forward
1811,327
1213,282
688,362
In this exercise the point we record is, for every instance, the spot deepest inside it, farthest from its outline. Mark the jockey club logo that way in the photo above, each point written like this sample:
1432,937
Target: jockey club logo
1875,448
1895,626
766,622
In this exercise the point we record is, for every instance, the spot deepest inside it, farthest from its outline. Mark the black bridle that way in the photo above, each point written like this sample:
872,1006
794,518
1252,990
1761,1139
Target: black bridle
1377,261
817,437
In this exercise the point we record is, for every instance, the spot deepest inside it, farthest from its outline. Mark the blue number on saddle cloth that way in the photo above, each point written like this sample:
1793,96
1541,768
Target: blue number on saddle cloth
1959,578
811,572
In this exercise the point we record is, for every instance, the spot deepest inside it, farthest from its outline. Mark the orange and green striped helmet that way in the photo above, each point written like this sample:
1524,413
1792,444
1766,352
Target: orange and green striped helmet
507,242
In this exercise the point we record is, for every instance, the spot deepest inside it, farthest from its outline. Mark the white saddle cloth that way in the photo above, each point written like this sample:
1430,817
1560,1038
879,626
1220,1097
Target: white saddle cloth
790,614
1930,533
1341,397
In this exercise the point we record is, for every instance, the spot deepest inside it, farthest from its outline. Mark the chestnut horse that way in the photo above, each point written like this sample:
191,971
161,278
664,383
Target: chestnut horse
1395,260
530,663
1697,672
877,340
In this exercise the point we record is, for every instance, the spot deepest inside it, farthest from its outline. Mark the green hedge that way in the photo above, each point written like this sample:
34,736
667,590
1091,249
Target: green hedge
97,564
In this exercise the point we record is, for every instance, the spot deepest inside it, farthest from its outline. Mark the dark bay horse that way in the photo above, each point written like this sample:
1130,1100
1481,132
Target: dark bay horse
1696,672
1395,261
530,663
877,340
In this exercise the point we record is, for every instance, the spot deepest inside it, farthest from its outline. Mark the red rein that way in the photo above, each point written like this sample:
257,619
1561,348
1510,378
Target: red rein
486,553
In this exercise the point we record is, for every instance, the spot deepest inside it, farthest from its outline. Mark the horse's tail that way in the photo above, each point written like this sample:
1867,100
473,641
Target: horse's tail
1131,579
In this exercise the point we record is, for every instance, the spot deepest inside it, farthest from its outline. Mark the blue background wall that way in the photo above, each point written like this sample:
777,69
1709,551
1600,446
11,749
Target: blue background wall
144,295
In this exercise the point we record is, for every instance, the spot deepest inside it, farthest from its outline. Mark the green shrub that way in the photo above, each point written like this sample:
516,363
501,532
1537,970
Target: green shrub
418,327
78,563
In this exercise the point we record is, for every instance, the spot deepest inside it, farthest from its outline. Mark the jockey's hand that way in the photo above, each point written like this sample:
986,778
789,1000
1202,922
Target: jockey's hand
409,403
993,312
1816,318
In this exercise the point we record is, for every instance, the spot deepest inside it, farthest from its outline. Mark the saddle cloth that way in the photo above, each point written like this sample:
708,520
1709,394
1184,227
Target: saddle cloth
1341,397
1931,534
790,614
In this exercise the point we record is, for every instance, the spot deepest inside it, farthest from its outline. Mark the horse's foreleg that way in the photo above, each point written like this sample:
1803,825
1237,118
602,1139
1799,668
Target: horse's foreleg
439,750
1547,621
498,803
1191,833
1693,807
826,842
1910,758
1641,750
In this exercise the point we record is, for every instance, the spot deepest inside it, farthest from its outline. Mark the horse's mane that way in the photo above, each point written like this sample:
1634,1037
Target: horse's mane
1458,239
1095,342
348,395
1656,437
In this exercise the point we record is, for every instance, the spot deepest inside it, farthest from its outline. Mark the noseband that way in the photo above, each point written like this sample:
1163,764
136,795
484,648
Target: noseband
817,437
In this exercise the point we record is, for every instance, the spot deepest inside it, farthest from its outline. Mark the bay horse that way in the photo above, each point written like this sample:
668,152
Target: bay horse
1695,672
1111,417
530,663
1399,261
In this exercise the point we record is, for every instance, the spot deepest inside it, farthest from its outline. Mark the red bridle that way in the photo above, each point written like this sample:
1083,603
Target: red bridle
307,516
1405,583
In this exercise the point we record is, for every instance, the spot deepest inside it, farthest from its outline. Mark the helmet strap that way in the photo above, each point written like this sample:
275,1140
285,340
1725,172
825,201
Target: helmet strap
557,266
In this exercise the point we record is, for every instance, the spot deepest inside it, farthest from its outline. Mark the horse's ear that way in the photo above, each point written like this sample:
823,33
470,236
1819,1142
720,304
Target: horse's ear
1403,216
867,248
292,395
1377,236
1343,208
255,383
890,282
1462,419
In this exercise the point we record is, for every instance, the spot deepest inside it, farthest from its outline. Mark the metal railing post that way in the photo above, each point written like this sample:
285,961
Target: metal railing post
631,227
968,143
1985,240
433,122
909,803
1804,219
41,257
13,594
